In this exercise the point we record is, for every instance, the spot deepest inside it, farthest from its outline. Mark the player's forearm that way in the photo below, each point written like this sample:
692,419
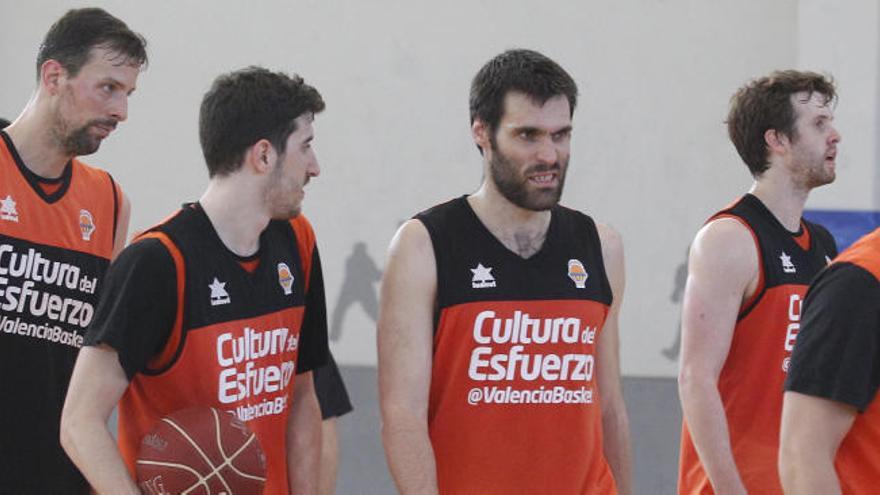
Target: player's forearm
410,455
91,447
707,423
616,447
304,445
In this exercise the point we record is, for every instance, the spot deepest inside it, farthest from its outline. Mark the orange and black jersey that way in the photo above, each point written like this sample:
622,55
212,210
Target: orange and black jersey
514,403
750,383
192,326
56,242
837,355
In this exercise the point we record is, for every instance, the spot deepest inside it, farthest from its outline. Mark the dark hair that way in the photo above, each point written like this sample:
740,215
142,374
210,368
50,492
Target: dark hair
248,105
4,123
764,104
71,39
525,71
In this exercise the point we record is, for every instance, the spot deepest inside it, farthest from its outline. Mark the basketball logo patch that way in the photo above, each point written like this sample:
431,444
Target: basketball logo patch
86,224
285,278
577,273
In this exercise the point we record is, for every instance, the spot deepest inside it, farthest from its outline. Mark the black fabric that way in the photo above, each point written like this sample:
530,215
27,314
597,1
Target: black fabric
206,259
837,353
783,260
330,389
34,179
138,305
313,337
462,243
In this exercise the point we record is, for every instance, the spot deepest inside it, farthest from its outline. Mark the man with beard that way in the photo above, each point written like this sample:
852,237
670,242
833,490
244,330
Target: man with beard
61,222
192,305
748,271
498,339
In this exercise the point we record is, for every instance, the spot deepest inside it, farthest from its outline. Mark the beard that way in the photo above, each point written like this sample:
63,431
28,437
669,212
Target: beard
280,197
515,186
80,141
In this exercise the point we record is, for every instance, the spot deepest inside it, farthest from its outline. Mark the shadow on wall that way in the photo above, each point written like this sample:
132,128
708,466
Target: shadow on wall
358,287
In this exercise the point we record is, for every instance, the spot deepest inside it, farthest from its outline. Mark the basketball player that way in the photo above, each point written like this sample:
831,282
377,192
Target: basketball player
830,415
498,344
61,222
748,270
219,305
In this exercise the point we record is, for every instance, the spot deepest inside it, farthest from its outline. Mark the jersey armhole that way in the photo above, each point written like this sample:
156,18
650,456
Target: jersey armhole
174,344
305,244
760,288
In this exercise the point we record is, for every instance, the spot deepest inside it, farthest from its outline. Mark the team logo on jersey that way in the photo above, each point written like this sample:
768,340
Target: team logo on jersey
285,278
218,293
7,209
86,224
787,265
483,278
577,273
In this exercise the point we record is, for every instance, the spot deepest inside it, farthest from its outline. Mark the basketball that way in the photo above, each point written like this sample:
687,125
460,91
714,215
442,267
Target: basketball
201,451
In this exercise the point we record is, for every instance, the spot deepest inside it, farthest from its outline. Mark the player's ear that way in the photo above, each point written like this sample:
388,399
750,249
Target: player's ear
481,133
52,73
776,141
261,156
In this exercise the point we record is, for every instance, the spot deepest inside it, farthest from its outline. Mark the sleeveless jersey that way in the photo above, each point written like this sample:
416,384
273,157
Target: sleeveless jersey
54,251
514,402
750,383
235,341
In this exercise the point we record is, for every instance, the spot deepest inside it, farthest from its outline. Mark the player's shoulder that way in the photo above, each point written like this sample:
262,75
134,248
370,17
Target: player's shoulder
864,253
725,241
146,252
412,236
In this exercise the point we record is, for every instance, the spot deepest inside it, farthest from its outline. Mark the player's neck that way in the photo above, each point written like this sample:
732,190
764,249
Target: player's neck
40,152
783,198
237,220
520,230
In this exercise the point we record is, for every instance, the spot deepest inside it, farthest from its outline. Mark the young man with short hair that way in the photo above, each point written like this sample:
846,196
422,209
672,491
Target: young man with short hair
748,270
498,341
239,265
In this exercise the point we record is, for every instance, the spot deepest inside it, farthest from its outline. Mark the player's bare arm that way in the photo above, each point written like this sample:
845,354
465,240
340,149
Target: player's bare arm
304,437
121,225
722,273
96,386
812,430
615,421
405,342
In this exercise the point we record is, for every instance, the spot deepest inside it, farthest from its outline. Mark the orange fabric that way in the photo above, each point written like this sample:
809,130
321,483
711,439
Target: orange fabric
803,240
82,220
50,187
205,373
250,266
480,403
858,459
865,253
752,395
305,240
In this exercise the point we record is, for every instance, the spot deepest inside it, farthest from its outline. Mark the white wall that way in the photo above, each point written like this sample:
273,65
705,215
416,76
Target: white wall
650,154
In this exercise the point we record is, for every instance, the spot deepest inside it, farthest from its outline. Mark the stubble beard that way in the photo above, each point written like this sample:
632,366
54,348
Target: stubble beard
514,187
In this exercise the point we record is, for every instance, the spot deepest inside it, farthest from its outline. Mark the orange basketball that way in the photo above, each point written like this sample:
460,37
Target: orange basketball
201,451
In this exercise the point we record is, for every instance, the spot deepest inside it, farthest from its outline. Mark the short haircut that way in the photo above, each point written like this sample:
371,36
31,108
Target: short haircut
764,104
247,105
71,39
4,123
524,71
